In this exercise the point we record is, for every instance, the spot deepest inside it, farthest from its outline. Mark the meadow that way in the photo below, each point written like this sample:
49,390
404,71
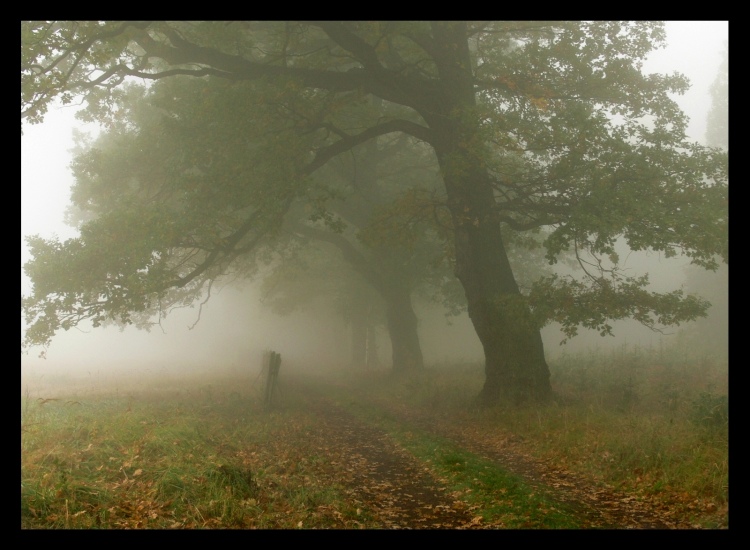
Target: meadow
201,450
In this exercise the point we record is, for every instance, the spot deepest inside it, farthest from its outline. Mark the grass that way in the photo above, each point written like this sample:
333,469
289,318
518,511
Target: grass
201,452
202,456
644,422
500,499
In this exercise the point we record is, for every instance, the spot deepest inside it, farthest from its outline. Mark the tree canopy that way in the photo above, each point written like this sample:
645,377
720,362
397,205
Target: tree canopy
533,125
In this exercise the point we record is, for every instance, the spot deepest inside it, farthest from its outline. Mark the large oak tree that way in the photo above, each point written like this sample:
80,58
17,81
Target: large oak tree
533,124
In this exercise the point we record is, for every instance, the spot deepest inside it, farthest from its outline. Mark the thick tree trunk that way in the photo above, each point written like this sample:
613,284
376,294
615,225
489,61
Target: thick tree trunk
402,328
515,365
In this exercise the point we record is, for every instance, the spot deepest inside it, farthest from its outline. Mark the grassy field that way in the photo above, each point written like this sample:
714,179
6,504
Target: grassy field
199,451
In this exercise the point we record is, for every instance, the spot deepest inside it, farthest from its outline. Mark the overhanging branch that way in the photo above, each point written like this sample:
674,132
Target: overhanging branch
353,256
345,144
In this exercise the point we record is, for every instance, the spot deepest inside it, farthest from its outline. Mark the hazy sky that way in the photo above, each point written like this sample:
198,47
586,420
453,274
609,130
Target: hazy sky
694,49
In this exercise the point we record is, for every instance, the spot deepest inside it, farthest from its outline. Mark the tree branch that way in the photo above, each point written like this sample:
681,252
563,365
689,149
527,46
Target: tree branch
351,43
327,153
228,248
353,256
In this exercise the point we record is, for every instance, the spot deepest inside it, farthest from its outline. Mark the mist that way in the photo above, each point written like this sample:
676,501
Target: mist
234,328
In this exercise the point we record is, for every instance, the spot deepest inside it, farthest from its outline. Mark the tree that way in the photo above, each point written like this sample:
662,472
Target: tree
717,124
365,229
393,267
711,334
533,124
156,136
314,273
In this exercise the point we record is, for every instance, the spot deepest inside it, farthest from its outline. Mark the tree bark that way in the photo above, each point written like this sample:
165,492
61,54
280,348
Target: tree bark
515,366
402,328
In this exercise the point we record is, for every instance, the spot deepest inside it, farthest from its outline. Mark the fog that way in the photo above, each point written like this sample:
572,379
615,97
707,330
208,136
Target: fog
235,327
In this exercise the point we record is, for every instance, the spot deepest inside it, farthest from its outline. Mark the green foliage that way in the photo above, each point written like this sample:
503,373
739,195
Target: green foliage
195,174
573,303
171,206
52,66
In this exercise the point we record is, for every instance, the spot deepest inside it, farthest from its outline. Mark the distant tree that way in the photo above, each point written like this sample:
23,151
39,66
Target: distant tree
717,126
710,335
392,269
534,124
315,273
397,235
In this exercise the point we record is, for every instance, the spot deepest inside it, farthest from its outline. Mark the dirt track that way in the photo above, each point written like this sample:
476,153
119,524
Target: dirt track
391,483
403,494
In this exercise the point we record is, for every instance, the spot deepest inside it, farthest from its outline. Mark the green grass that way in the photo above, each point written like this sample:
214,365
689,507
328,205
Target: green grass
500,499
203,453
157,459
645,422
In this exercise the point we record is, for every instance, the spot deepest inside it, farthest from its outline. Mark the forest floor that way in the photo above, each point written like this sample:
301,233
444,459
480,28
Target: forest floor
404,495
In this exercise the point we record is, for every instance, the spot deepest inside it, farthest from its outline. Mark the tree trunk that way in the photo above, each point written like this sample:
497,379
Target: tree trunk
401,319
364,345
358,323
515,366
402,328
372,357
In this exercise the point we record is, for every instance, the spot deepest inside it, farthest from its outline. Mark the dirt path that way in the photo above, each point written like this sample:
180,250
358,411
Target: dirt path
383,477
598,506
403,495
